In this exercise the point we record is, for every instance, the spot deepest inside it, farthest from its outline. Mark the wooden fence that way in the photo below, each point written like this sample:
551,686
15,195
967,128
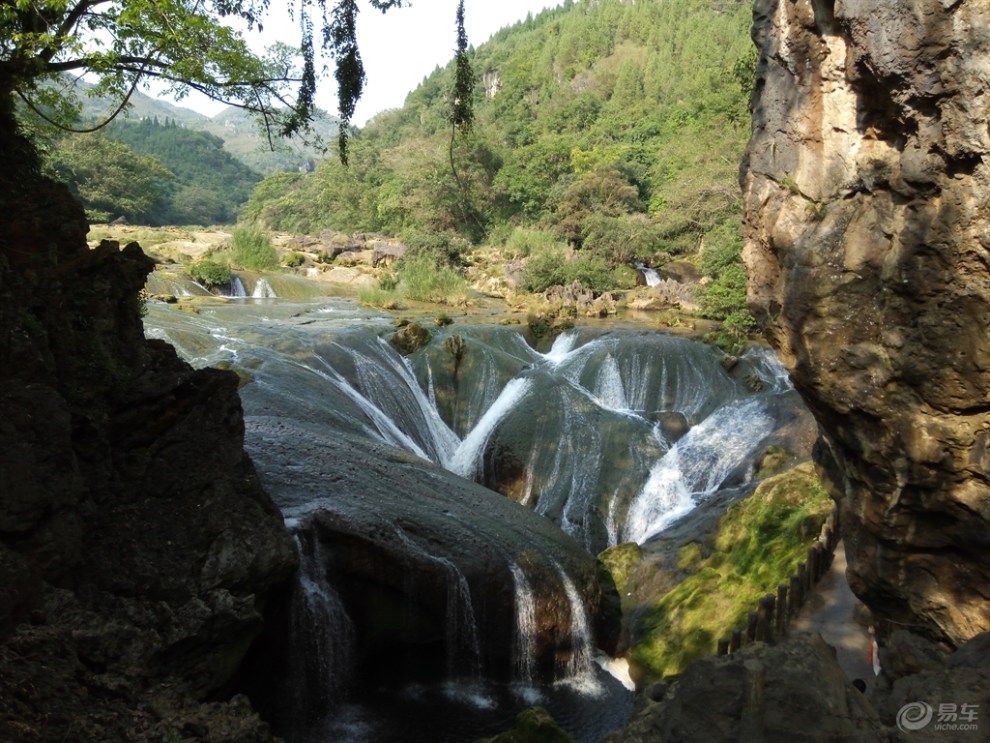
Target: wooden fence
774,612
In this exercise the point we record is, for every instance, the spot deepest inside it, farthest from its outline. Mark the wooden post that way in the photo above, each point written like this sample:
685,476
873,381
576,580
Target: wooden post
764,619
781,615
795,604
735,641
751,627
805,580
723,646
812,559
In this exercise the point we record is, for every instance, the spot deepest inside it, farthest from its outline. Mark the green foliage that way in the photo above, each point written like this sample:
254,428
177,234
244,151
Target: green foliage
210,273
616,126
294,259
253,249
422,280
210,184
556,266
442,248
758,544
108,178
524,241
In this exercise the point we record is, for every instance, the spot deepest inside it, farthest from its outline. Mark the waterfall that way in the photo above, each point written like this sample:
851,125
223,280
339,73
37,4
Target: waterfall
466,461
462,645
696,466
649,274
321,640
609,390
580,668
524,652
262,290
237,288
562,346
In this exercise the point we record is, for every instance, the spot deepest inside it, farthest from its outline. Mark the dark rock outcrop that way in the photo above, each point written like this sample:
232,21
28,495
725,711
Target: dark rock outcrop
137,547
867,185
787,692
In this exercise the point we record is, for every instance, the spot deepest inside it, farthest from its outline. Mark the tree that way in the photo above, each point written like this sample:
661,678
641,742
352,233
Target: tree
109,179
184,43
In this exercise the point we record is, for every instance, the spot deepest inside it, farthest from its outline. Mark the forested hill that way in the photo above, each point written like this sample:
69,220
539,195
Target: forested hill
613,125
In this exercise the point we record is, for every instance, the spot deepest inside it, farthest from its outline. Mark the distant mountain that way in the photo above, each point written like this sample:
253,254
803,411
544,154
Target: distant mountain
241,135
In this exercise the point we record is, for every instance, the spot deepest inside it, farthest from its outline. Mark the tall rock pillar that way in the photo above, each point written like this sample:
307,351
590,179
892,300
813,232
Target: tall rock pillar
867,226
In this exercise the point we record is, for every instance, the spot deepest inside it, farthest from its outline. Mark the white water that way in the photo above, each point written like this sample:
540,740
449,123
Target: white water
263,290
650,274
580,668
321,641
696,466
467,459
462,645
524,652
237,288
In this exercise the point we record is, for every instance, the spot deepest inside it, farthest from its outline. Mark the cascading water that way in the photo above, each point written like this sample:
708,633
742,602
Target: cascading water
650,275
237,288
580,668
262,290
320,658
524,656
611,435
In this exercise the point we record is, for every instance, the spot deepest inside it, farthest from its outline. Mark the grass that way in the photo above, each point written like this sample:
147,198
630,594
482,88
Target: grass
758,544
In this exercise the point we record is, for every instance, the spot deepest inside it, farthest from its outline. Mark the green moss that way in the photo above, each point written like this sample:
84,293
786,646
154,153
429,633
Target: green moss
688,556
620,562
533,725
758,544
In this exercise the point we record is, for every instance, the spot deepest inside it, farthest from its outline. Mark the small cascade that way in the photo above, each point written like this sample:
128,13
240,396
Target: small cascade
562,347
237,288
609,390
580,667
321,640
466,460
263,290
524,652
696,466
650,275
768,368
463,647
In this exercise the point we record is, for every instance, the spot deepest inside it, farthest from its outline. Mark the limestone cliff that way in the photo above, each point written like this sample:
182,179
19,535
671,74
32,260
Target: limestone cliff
137,547
867,195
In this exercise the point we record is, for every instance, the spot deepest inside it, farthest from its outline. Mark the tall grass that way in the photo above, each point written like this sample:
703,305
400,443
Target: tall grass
253,249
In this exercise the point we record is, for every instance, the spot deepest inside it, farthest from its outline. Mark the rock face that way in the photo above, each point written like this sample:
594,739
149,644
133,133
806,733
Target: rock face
867,189
787,692
136,544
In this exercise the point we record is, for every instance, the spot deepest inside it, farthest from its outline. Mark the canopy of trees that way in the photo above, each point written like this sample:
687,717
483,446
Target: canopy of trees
619,127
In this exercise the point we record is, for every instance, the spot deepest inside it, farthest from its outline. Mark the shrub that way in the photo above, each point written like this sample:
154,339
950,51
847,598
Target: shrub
252,249
294,259
210,273
524,241
440,247
421,280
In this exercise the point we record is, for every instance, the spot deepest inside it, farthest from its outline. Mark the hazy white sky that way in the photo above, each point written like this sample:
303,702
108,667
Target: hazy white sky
399,48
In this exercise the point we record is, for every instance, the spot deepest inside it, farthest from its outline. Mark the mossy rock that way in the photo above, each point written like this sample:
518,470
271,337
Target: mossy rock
533,725
757,545
410,338
620,561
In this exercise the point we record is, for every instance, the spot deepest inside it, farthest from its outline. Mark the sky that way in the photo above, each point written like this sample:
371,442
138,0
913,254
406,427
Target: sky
398,48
